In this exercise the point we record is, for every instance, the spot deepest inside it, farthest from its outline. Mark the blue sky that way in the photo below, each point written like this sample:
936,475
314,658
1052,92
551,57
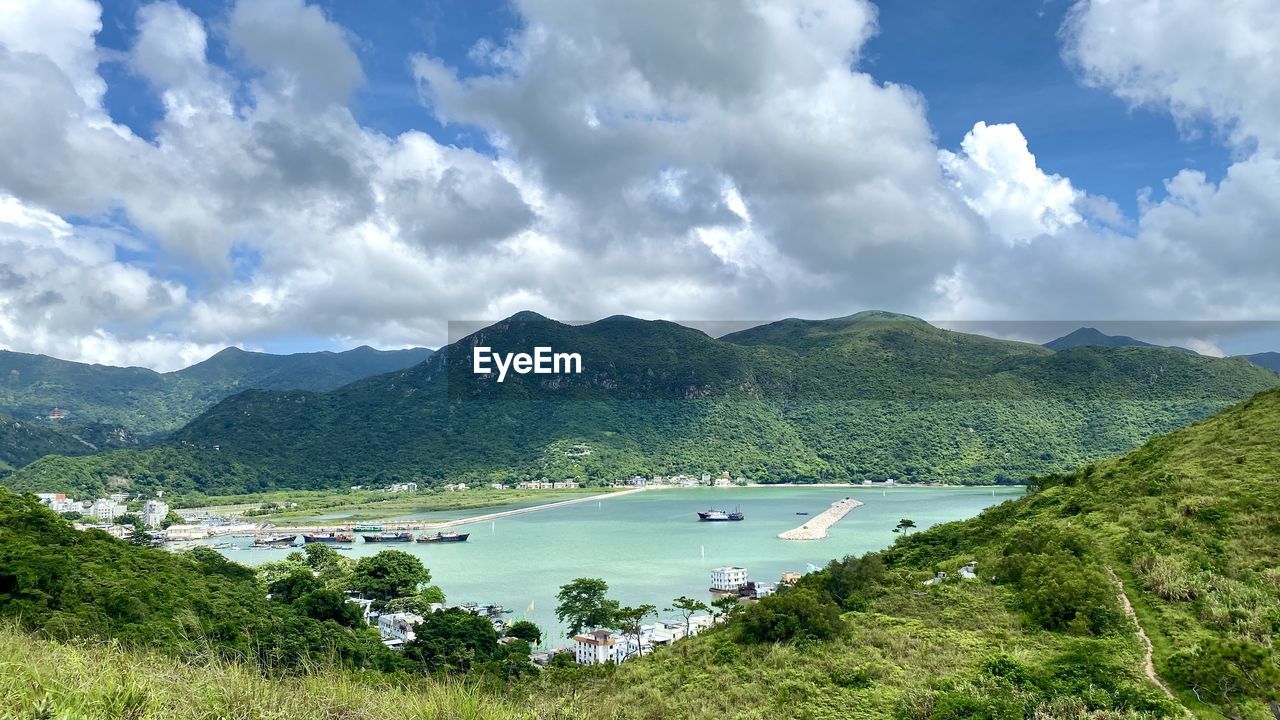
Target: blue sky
293,175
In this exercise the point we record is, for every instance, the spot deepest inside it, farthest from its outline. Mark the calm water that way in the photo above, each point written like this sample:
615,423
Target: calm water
651,548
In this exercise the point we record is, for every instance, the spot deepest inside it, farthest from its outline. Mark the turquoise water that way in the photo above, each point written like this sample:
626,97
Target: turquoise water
651,548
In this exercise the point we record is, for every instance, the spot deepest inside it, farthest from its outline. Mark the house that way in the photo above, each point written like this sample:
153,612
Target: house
404,487
791,577
568,484
154,512
497,486
365,605
728,578
185,532
397,628
760,590
936,579
723,482
597,647
451,487
119,497
967,572
636,481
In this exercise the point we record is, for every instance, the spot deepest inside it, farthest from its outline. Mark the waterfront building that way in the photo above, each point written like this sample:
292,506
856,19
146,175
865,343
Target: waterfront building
728,578
598,647
154,512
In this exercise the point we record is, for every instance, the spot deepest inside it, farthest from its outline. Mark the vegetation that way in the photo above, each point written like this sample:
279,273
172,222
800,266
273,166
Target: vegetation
872,396
140,402
584,604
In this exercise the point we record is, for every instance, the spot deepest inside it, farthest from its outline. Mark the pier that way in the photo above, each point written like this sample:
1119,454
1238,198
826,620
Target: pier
817,526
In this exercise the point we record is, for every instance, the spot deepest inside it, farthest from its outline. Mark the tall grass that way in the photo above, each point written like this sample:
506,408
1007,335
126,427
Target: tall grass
45,679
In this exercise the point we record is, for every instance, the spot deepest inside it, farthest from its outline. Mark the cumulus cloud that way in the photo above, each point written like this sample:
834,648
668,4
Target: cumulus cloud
638,161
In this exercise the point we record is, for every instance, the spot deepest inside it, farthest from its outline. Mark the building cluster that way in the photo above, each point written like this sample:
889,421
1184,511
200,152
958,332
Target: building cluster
968,572
603,646
107,509
397,629
404,487
544,484
706,480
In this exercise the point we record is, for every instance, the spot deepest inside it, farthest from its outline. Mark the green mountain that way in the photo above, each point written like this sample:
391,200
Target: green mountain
1268,360
149,403
871,396
1092,336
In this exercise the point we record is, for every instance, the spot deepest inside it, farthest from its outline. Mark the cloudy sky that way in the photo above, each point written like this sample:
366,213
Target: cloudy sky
181,176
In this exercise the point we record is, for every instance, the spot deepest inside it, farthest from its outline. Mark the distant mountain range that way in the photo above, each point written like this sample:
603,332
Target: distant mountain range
46,395
1269,360
869,396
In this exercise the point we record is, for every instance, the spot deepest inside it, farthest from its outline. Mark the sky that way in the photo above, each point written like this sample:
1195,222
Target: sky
290,176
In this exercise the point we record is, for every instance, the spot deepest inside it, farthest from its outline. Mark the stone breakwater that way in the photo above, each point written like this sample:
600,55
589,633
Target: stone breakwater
816,528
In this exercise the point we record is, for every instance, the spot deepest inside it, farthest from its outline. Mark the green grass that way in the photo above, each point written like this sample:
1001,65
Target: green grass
90,680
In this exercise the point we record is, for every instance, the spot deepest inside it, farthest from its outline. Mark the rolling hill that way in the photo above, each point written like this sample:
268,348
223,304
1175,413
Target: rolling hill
1092,336
870,396
148,403
1269,360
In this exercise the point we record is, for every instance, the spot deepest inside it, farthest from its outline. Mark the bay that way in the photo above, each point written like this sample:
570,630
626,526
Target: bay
650,546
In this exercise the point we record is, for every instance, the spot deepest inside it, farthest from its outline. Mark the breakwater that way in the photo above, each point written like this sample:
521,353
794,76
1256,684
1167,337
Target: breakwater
817,526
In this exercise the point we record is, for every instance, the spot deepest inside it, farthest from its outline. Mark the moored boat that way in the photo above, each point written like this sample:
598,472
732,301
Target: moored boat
450,536
274,541
332,537
389,537
720,516
374,528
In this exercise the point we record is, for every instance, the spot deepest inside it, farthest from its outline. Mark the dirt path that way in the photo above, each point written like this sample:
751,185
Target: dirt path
1147,665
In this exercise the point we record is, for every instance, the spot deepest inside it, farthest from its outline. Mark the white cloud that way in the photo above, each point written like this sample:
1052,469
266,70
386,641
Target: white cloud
645,163
999,179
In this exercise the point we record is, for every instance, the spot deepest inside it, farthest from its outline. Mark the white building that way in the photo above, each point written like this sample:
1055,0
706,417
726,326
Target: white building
967,572
764,590
105,510
728,578
598,647
405,487
154,513
397,628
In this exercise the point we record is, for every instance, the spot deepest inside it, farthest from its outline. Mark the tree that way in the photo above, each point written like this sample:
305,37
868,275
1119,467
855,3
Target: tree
1228,672
583,604
629,620
453,640
687,606
172,518
289,587
525,630
726,607
798,613
389,574
905,526
325,604
138,536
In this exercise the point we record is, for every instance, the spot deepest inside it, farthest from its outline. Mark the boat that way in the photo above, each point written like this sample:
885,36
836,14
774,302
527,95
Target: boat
802,513
450,536
332,537
368,528
274,541
389,537
720,516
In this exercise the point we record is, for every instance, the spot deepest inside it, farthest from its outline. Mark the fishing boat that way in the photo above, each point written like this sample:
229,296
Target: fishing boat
332,537
450,536
274,541
374,528
721,516
802,513
389,537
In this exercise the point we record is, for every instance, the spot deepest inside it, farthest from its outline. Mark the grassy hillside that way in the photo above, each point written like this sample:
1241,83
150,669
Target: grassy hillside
871,396
104,681
1189,524
146,402
23,441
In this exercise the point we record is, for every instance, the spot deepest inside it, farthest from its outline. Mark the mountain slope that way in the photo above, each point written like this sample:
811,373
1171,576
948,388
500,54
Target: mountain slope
1186,529
867,397
147,402
1268,360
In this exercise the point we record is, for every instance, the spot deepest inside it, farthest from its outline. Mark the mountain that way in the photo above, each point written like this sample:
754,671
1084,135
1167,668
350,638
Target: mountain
1091,336
1269,360
866,397
148,403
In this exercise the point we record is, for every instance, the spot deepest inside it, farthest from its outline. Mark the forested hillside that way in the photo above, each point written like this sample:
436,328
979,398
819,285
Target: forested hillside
1187,527
871,396
146,403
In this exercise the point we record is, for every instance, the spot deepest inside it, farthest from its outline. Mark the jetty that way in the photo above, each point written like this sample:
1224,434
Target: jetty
817,526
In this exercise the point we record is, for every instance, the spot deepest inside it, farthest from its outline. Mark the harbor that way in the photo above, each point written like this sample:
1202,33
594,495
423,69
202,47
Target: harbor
818,527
